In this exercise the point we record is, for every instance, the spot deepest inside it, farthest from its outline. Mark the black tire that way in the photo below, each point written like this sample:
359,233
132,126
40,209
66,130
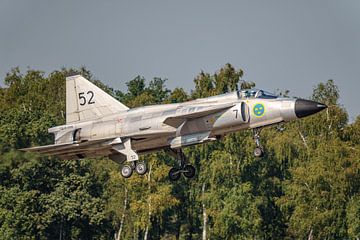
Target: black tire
258,152
126,171
189,171
174,174
141,168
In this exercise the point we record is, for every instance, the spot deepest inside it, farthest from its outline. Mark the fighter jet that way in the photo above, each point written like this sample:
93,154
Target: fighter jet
99,125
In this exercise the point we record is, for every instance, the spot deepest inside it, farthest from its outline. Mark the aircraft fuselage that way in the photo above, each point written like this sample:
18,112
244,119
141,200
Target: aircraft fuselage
99,125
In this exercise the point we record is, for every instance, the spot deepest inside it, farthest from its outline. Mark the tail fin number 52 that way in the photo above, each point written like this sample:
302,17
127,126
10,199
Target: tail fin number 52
83,98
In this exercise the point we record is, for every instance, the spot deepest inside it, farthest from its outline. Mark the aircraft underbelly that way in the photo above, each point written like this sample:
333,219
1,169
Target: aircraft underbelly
151,143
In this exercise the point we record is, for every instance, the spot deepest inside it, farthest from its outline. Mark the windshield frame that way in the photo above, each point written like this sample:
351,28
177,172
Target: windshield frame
256,93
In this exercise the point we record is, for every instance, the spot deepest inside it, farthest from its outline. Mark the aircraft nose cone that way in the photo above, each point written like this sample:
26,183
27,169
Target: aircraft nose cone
305,108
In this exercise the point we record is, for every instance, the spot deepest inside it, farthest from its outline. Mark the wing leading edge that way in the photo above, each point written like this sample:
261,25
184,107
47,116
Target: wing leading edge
178,119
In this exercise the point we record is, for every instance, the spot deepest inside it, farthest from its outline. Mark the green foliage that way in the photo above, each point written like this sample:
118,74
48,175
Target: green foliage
306,186
30,105
140,95
136,86
177,95
239,217
225,80
158,90
353,217
327,93
52,198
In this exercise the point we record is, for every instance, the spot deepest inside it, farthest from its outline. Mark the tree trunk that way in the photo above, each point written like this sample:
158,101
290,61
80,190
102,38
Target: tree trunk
136,233
304,139
204,214
61,229
178,226
310,237
149,206
118,234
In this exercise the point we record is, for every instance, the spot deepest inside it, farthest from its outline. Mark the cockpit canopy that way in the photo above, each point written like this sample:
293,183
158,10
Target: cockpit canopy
256,93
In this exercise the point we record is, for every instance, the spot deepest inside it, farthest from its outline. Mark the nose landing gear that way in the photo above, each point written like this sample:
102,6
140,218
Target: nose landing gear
258,151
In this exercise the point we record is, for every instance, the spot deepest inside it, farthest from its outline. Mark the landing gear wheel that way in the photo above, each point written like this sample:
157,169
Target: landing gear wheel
174,174
126,171
189,171
141,168
258,152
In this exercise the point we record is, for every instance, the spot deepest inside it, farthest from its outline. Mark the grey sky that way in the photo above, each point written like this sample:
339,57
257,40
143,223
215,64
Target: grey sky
279,44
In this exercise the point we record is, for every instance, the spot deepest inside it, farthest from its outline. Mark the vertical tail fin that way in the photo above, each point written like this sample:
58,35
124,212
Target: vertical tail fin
85,101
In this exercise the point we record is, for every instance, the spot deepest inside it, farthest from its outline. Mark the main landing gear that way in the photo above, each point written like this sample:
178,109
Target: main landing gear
258,151
128,157
184,168
140,168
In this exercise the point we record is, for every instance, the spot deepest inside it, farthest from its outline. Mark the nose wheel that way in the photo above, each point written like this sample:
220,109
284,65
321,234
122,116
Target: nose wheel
258,151
187,170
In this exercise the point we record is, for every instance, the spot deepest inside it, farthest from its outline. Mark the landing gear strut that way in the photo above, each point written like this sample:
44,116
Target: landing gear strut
258,151
129,156
186,169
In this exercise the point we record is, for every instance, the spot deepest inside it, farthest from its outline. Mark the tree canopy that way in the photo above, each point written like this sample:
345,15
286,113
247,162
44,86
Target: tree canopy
307,186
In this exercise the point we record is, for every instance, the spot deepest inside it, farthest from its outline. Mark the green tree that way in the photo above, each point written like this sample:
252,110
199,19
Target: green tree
136,86
178,95
306,185
158,90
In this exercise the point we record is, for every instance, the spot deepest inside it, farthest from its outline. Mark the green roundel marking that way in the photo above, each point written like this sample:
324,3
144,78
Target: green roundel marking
259,110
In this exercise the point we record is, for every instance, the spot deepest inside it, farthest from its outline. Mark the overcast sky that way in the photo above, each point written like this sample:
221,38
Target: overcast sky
279,44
